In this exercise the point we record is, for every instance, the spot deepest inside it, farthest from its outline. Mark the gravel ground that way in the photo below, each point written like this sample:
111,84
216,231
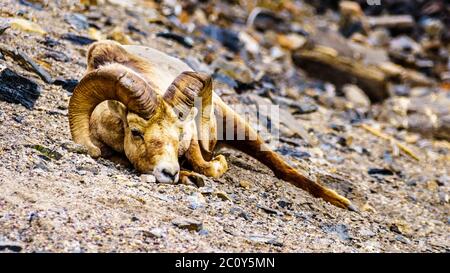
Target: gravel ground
77,204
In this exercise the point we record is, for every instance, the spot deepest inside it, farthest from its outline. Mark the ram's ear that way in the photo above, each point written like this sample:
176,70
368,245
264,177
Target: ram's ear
193,90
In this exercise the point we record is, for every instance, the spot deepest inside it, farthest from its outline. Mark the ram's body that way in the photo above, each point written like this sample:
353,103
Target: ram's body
110,121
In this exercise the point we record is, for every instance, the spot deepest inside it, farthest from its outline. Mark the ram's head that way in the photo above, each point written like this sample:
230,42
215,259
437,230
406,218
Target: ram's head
152,120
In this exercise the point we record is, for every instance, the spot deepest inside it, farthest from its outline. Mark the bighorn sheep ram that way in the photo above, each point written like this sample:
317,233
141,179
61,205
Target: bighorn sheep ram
140,101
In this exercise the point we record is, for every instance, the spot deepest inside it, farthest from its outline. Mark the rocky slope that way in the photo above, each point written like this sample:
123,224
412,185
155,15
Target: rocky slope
54,197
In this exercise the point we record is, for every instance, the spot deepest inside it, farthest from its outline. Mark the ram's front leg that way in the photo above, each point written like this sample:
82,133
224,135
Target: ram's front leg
213,168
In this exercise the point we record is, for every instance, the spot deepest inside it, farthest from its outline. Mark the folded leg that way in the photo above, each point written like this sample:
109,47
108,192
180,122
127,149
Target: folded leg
213,168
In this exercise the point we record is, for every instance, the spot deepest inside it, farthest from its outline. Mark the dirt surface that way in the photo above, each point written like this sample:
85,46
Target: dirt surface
66,201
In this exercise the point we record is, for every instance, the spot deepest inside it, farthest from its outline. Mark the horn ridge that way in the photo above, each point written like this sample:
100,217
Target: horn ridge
108,82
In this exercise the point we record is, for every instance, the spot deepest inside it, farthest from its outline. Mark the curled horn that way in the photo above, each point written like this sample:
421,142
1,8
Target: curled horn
110,82
193,89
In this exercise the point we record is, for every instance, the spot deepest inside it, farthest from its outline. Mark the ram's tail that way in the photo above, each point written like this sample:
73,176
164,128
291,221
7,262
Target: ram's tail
254,145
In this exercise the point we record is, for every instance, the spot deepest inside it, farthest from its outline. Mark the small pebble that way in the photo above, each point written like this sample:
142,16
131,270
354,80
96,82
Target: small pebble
223,195
188,224
148,178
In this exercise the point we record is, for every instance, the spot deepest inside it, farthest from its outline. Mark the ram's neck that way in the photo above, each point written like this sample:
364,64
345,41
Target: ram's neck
163,69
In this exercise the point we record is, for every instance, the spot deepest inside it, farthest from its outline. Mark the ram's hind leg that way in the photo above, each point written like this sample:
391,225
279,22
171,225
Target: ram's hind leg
255,146
216,167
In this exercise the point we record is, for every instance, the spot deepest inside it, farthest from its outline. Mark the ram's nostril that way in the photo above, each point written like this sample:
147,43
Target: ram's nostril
169,173
166,173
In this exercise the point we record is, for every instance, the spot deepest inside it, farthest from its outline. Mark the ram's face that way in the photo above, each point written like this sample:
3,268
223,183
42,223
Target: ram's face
152,145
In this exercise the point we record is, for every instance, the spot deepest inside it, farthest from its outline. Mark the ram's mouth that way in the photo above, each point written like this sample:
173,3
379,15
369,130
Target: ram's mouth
166,180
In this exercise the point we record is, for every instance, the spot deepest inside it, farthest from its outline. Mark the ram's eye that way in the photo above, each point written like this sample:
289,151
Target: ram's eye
136,132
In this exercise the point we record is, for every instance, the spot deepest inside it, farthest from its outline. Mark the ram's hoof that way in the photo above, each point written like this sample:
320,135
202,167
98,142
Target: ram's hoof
192,178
